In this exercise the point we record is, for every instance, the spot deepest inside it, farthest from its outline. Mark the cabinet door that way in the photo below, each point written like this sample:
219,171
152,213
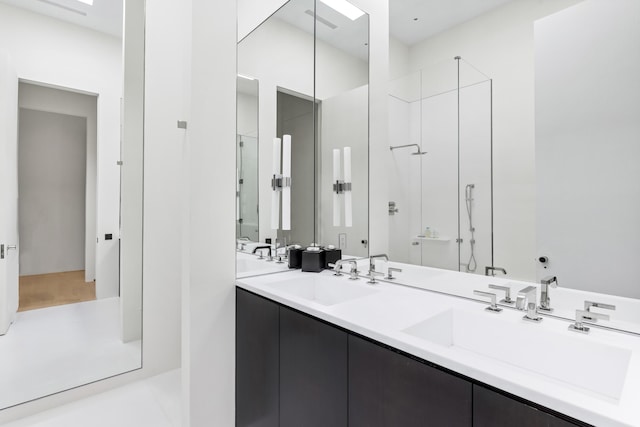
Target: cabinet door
313,372
257,353
491,409
389,389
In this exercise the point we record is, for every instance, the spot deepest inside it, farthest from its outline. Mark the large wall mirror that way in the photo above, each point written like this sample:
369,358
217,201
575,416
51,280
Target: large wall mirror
302,125
528,114
71,194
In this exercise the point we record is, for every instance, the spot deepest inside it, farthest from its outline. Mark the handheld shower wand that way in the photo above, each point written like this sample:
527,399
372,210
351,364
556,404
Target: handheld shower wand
472,265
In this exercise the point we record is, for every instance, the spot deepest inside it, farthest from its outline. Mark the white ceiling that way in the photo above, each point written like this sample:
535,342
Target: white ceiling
434,16
332,27
104,16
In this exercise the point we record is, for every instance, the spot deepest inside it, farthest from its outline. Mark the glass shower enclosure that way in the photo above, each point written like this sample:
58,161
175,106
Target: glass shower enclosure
440,136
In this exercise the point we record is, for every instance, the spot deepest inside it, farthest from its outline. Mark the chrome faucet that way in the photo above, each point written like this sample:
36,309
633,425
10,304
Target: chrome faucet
525,296
589,304
507,293
259,248
493,307
390,271
337,267
545,301
588,315
493,270
354,269
527,299
584,315
372,261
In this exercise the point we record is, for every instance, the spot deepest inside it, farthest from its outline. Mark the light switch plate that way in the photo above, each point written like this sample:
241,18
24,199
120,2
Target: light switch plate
342,240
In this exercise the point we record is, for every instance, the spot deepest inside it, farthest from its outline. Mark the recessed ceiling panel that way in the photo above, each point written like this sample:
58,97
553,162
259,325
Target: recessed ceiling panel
104,15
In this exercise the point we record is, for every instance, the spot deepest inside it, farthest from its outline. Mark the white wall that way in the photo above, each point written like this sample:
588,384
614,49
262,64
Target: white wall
378,11
132,173
398,58
48,51
587,146
247,115
500,43
209,340
76,104
8,190
343,123
51,182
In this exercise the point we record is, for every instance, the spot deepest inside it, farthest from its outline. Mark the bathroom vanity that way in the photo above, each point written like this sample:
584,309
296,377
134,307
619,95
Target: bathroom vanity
322,350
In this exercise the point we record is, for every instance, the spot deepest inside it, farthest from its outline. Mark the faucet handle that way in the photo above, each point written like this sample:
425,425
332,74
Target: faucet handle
589,304
372,277
493,269
337,267
390,271
493,307
593,316
550,280
532,313
584,315
507,293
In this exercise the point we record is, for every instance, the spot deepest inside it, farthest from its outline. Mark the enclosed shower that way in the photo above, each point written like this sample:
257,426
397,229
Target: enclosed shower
440,141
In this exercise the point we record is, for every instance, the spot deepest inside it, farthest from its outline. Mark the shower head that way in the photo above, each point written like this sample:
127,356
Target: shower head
419,153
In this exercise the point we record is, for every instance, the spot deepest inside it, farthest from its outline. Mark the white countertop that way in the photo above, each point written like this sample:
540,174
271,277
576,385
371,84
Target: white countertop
248,265
383,316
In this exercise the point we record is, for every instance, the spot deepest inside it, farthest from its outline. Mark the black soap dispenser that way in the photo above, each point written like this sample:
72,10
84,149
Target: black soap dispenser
313,259
295,256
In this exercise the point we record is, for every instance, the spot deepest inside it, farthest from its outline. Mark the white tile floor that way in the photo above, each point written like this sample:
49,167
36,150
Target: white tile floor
154,402
56,348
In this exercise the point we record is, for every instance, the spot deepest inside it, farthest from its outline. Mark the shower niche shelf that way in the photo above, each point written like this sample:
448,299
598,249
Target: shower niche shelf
435,239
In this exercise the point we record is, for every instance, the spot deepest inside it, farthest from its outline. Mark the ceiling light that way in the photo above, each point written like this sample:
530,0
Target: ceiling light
345,8
242,76
89,2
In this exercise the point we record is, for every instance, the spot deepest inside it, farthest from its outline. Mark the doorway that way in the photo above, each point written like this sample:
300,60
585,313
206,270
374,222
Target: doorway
56,196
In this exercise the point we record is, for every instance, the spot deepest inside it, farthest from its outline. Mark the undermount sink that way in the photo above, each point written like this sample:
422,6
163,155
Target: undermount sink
323,290
591,365
250,264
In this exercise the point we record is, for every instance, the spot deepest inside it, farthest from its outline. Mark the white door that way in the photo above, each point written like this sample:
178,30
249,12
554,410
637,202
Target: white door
8,193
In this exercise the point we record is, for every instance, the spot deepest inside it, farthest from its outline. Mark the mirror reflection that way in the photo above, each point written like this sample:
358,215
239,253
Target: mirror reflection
247,226
311,113
440,144
554,134
70,306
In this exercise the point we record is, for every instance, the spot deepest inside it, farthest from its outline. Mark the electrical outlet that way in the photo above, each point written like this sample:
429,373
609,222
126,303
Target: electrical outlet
342,240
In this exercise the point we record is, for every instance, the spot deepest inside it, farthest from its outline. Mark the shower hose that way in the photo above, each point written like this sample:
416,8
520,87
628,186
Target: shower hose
472,265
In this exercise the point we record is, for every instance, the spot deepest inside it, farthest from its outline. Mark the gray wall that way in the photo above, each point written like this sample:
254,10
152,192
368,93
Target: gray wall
51,186
296,118
43,98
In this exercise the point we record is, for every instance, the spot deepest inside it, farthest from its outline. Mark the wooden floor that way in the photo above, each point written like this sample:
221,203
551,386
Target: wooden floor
47,290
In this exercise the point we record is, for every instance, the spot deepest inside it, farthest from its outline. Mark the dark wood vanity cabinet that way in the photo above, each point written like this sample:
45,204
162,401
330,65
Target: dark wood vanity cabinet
293,370
257,361
390,389
313,372
492,409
